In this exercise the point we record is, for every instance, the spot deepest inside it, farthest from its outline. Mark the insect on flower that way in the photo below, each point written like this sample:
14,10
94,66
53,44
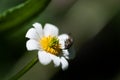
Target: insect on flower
50,45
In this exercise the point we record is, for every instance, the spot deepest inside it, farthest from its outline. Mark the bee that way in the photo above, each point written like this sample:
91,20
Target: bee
68,42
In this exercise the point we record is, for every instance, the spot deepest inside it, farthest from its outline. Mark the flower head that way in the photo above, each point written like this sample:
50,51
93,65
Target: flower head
50,46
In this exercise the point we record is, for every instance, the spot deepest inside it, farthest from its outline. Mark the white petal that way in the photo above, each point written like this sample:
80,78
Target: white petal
56,60
62,38
38,28
66,53
32,34
64,63
32,45
62,44
44,57
50,29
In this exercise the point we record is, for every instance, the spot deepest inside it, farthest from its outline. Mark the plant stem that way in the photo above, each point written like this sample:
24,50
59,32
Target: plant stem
25,69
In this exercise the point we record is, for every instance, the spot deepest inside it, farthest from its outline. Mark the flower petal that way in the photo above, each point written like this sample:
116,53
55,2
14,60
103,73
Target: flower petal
38,28
62,44
44,57
56,60
32,45
32,34
62,38
50,29
64,63
66,53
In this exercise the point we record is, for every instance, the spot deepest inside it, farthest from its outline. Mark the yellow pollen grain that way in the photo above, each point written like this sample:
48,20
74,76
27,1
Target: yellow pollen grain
50,44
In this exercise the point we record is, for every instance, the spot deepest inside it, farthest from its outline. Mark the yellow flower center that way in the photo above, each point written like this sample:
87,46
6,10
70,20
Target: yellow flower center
50,44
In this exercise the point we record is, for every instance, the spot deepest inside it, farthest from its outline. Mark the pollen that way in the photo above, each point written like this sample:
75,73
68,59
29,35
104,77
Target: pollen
50,44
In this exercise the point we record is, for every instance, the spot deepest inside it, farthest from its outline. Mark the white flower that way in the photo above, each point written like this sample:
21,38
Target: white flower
50,46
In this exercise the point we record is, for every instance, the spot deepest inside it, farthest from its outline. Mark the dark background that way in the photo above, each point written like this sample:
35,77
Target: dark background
99,58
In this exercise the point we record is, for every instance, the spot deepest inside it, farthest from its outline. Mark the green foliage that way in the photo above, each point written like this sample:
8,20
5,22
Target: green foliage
13,16
18,15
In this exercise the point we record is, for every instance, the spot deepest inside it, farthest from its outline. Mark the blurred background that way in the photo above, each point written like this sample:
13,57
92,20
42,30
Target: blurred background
93,24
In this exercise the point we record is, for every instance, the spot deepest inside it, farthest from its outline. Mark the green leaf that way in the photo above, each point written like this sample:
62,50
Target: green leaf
18,15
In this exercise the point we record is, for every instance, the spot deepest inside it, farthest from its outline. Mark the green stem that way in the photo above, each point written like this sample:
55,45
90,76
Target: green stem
25,69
